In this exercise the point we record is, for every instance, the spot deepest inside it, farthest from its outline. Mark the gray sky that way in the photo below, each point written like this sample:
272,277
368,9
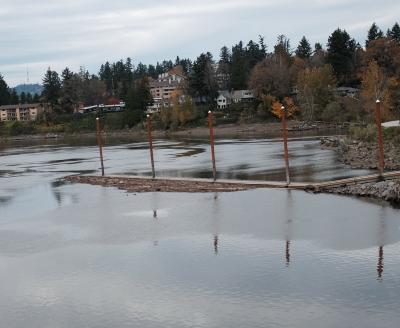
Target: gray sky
59,33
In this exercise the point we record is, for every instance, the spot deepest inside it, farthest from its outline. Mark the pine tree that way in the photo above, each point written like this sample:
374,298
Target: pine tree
51,88
22,97
394,33
14,99
374,33
138,98
239,70
202,82
340,54
304,50
4,92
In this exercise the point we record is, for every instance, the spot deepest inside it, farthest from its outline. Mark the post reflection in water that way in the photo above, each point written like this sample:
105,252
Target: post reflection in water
288,225
215,221
154,202
287,252
379,267
382,242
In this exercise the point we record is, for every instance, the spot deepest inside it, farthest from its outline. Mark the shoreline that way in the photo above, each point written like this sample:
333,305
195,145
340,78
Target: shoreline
247,130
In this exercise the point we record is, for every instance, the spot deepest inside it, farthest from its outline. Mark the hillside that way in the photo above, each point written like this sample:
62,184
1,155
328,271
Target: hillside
29,88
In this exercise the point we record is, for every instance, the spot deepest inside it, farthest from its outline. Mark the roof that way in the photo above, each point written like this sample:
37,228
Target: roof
20,106
239,94
225,93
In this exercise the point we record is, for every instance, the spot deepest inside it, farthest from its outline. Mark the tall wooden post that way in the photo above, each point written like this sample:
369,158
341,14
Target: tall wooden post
378,120
150,138
210,125
100,144
285,143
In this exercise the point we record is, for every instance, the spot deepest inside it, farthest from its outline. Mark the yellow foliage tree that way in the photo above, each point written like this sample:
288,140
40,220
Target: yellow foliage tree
288,104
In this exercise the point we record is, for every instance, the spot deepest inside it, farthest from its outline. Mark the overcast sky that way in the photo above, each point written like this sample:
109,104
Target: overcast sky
58,33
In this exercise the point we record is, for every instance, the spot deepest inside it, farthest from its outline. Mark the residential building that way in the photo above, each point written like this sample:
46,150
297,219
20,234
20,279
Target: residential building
165,87
21,112
243,96
102,108
226,98
347,92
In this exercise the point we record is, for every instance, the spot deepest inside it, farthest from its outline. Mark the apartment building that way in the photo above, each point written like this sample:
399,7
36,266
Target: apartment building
20,112
165,86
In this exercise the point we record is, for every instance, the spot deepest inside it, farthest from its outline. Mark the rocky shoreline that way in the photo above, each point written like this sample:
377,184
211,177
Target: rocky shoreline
387,190
363,155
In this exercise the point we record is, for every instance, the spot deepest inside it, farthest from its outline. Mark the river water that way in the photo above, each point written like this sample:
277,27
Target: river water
86,256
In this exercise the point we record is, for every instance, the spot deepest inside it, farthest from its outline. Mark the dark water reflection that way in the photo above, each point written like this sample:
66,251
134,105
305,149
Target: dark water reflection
86,256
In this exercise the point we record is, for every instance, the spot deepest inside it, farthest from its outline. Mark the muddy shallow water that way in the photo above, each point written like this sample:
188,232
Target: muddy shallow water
79,255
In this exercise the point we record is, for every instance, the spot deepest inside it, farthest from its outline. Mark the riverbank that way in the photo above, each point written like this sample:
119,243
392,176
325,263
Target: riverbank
387,190
234,131
361,154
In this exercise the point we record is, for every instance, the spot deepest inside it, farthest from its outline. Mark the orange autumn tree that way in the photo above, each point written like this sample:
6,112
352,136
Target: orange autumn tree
289,105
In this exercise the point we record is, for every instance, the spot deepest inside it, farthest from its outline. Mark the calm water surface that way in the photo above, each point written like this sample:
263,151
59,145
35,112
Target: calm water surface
87,256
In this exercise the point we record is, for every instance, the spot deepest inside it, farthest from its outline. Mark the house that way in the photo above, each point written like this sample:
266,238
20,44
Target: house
102,108
243,96
224,99
347,92
21,112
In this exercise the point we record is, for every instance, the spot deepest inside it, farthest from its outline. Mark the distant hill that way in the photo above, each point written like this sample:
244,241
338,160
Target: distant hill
29,88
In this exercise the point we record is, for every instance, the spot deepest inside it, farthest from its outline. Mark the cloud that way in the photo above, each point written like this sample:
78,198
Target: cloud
38,34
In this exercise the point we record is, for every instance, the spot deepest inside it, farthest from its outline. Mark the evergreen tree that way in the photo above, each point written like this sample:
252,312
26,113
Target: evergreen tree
374,33
138,98
29,98
304,50
70,90
224,68
202,81
394,33
152,71
318,47
4,92
51,88
14,99
22,98
238,67
340,54
36,98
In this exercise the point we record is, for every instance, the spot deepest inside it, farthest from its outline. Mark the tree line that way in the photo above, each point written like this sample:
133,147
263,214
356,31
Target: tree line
308,75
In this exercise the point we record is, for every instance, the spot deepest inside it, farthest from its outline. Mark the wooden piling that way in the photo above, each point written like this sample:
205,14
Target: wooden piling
100,144
150,138
378,120
285,143
210,125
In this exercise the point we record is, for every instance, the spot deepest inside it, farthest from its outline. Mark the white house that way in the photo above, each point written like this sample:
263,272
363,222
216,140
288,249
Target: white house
224,99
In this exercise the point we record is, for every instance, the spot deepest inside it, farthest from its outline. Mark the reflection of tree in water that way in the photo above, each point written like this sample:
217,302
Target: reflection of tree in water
56,192
4,200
